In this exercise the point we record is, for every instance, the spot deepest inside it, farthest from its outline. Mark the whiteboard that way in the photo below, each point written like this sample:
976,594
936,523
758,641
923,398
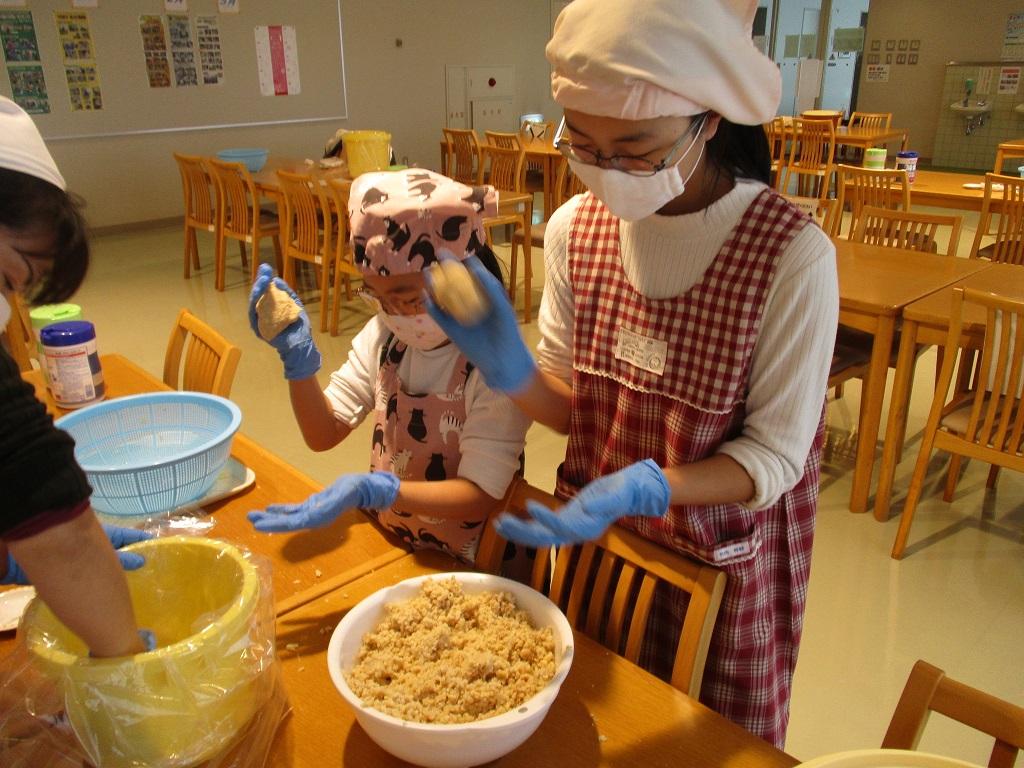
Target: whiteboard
131,106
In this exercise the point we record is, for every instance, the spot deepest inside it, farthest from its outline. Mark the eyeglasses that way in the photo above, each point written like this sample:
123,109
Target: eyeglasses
634,165
412,305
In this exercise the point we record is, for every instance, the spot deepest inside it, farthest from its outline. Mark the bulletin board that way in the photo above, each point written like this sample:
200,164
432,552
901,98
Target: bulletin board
113,93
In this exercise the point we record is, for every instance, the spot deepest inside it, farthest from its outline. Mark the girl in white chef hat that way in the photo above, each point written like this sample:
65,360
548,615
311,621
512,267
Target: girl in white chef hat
687,326
48,532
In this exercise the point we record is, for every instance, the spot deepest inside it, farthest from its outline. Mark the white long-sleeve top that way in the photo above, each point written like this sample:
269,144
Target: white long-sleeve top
664,256
494,433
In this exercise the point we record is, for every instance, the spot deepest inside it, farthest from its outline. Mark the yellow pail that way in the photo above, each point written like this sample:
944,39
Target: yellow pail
182,703
367,151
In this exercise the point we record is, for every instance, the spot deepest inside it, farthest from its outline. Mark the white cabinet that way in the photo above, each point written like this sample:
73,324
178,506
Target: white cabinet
482,98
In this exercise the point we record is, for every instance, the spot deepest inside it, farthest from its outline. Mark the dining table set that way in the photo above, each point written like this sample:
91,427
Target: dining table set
609,711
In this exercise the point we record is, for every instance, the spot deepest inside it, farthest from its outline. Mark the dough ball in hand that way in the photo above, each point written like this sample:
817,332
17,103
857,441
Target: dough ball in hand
457,292
275,311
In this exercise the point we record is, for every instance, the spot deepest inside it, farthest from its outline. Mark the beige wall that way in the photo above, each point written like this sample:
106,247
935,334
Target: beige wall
132,179
949,30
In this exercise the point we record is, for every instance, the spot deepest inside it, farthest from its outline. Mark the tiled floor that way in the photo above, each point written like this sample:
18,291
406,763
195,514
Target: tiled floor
957,600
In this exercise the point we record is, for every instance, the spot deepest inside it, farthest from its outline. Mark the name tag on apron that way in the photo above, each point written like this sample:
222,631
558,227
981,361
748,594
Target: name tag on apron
641,351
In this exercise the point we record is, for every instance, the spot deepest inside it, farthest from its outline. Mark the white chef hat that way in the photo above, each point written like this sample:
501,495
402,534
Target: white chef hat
22,148
652,58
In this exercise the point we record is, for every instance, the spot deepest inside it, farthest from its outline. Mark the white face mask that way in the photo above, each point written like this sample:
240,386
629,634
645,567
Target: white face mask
416,331
5,313
632,198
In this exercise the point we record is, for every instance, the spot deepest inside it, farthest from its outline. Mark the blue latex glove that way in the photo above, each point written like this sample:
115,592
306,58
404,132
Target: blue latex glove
294,344
372,490
494,345
148,639
119,537
639,489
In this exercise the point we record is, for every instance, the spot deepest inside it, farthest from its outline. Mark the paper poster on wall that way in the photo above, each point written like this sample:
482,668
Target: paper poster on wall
154,48
227,6
984,85
848,40
74,35
28,88
176,6
1009,80
877,73
277,61
183,55
18,35
85,3
1013,38
84,87
12,3
211,58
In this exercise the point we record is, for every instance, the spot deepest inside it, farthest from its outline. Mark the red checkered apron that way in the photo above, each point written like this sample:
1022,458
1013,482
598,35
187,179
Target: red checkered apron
681,413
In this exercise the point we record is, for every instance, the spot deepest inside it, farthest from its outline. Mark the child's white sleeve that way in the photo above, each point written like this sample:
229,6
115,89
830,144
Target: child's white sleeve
350,391
492,438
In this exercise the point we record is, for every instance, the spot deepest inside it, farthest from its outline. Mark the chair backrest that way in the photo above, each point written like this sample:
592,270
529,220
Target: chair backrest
506,140
18,337
463,154
1006,153
778,134
929,690
822,211
909,230
606,588
1008,216
198,359
235,194
567,183
303,234
505,168
870,120
336,192
814,144
881,188
196,184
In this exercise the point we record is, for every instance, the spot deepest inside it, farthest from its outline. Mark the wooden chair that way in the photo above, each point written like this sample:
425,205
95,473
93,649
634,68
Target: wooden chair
337,194
503,169
463,154
538,129
533,170
1006,152
984,421
811,157
200,212
1007,220
909,230
778,135
506,140
18,338
929,690
198,358
239,217
824,212
307,232
857,187
874,120
606,588
567,184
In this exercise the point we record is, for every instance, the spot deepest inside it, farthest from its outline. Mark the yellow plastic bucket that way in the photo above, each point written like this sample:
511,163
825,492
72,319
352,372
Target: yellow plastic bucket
367,151
182,703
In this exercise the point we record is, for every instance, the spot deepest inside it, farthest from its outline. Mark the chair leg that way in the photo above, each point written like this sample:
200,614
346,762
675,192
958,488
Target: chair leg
993,474
952,477
527,279
914,494
513,255
218,277
191,251
325,292
255,251
336,298
278,265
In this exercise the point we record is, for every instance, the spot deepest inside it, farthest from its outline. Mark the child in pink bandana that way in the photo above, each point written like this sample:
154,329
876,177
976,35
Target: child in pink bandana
445,446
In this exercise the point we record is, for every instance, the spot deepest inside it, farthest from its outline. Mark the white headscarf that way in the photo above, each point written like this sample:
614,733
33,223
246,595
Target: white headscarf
22,148
638,59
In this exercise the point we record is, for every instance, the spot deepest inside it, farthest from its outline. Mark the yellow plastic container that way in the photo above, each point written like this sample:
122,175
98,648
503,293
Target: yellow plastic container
367,151
183,702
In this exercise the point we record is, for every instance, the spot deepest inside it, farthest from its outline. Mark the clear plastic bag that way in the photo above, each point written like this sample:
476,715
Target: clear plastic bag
209,695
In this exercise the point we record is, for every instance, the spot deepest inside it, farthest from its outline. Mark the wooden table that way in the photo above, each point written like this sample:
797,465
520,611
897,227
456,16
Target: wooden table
926,321
544,152
266,178
944,189
609,712
1013,148
302,561
875,284
865,138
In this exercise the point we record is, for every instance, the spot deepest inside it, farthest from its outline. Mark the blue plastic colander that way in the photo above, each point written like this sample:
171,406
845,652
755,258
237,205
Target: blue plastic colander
154,452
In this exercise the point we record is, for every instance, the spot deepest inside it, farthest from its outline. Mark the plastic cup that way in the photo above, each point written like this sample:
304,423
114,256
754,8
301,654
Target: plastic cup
908,162
874,158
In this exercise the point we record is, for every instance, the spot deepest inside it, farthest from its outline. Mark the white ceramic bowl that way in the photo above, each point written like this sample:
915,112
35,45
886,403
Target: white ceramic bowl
456,745
885,758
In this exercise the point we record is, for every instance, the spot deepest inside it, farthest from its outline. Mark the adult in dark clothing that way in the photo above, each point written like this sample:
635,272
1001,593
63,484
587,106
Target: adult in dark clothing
49,535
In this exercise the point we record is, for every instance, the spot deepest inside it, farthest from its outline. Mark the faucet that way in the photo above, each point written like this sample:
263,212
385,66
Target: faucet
968,89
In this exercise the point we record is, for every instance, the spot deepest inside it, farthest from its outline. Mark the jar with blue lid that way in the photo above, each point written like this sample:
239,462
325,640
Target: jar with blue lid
72,363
